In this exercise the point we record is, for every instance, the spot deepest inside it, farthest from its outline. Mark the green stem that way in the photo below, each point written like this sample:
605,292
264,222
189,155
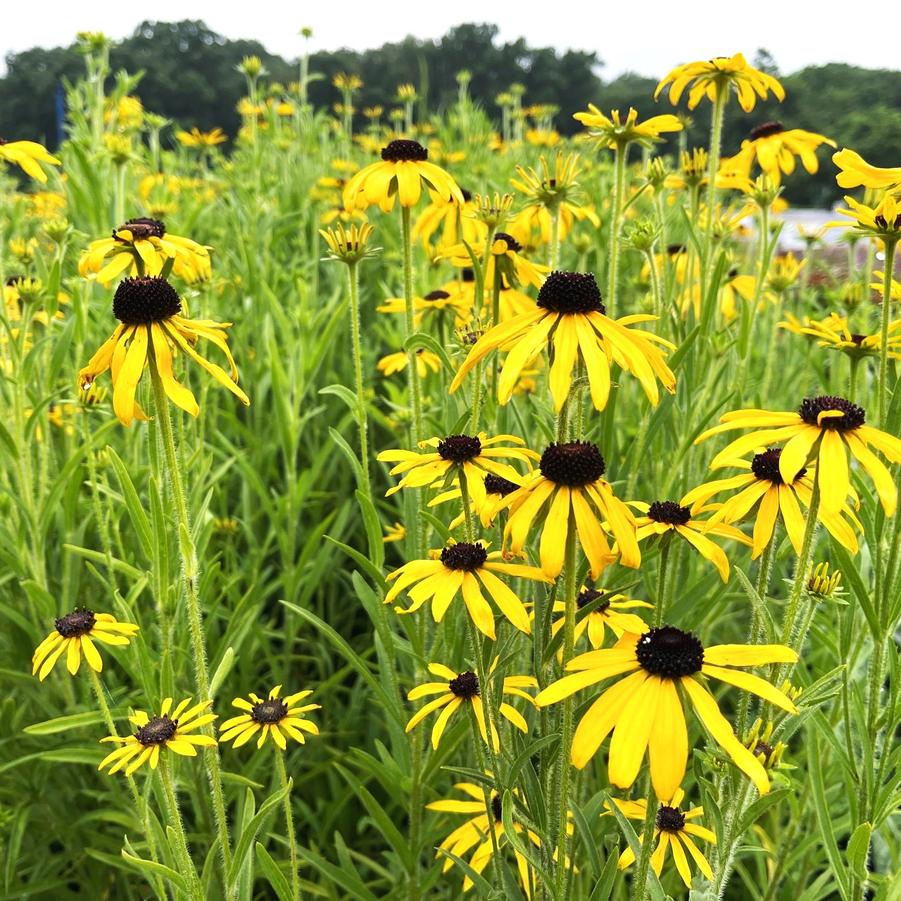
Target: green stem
138,801
619,185
713,165
640,882
415,387
554,257
883,341
289,823
569,631
178,827
354,287
662,573
195,621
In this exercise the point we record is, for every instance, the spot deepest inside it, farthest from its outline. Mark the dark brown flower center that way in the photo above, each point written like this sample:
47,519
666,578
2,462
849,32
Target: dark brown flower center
509,240
763,748
858,339
587,595
853,417
142,228
669,652
574,464
464,555
139,301
766,129
496,808
570,292
156,731
459,448
497,485
467,275
766,466
436,295
669,512
399,151
674,249
670,819
466,685
79,622
272,710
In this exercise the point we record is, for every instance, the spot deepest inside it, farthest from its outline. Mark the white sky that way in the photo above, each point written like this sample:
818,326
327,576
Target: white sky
644,36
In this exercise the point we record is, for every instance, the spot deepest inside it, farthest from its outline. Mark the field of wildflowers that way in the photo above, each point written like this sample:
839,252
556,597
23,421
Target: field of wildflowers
446,506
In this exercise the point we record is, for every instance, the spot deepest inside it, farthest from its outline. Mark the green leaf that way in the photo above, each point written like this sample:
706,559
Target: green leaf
158,869
65,723
133,503
824,815
274,876
857,851
249,833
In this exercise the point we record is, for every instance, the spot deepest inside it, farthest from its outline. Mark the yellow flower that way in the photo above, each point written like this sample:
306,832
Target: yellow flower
775,148
74,635
673,829
349,245
396,532
882,221
401,173
763,486
144,247
151,327
397,362
568,478
495,487
823,429
822,584
201,139
834,334
344,82
160,733
856,172
28,155
505,257
711,78
644,709
784,272
448,297
470,457
571,319
607,611
276,717
453,221
462,567
456,690
477,832
663,517
614,133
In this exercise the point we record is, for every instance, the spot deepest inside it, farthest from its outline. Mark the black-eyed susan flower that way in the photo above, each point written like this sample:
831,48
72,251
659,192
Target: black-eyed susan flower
882,221
449,222
569,485
496,487
775,148
613,132
713,78
823,429
144,247
763,486
759,741
459,688
426,362
349,244
610,612
506,257
673,830
834,333
75,634
28,156
856,172
664,517
401,174
465,568
477,831
165,732
448,297
151,327
571,321
554,189
272,716
644,709
470,457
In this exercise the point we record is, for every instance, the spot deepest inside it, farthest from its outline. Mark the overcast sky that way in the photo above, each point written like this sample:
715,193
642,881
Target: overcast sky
644,36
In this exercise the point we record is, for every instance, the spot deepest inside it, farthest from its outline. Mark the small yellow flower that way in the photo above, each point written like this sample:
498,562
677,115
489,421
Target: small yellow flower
822,583
160,733
198,139
856,172
674,830
349,245
426,362
74,635
273,716
613,132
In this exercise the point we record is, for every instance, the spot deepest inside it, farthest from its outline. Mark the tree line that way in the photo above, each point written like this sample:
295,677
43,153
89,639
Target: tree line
190,76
